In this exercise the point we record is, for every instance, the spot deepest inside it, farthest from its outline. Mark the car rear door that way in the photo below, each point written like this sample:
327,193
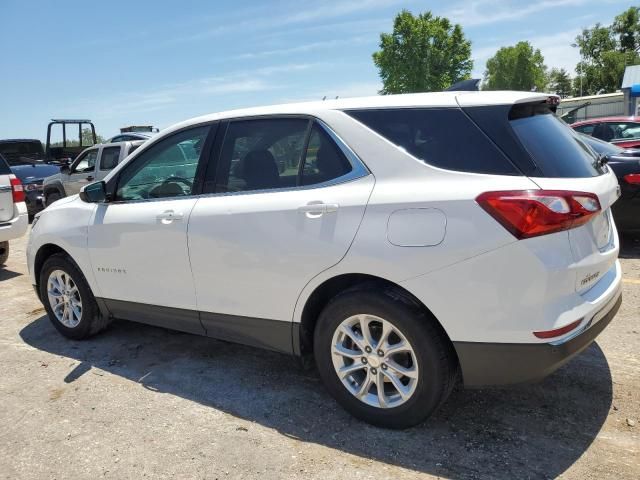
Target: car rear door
286,204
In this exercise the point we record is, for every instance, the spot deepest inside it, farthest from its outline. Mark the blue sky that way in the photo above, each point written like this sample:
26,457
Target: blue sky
125,62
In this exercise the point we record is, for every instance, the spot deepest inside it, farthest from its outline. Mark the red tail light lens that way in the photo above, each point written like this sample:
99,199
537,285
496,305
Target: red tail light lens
632,178
529,213
16,188
558,331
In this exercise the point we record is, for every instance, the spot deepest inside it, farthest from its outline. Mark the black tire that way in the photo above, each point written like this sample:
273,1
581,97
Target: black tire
91,320
52,197
434,353
4,252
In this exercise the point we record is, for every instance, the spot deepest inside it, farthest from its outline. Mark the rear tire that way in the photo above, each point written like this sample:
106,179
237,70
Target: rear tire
429,361
68,299
4,252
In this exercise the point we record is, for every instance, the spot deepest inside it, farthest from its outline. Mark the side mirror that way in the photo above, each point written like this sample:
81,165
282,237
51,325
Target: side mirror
94,192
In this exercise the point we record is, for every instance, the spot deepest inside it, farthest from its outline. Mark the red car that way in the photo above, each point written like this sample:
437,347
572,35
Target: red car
622,131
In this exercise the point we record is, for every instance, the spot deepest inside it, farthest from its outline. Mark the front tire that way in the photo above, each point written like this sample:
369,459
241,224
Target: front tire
383,359
68,299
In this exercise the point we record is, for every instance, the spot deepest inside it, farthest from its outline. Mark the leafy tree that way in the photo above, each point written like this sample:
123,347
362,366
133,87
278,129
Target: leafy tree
627,27
607,50
519,67
424,53
559,82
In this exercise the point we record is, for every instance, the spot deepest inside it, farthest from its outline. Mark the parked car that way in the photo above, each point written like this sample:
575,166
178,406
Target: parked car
621,131
626,165
127,137
13,211
27,160
409,240
92,164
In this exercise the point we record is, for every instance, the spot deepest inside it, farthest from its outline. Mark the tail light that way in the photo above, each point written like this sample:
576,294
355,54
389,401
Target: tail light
529,213
16,189
558,331
632,178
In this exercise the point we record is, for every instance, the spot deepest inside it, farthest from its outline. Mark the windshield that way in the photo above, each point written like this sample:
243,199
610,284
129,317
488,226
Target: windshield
556,149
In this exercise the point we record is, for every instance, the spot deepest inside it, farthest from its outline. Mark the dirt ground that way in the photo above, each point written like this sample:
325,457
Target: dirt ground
144,402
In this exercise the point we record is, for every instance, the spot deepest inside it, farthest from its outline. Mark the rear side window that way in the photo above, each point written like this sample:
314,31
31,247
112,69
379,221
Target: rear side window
556,149
323,160
442,137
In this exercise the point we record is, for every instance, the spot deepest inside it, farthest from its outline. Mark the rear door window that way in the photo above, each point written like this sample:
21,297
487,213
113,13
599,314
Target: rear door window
324,161
442,137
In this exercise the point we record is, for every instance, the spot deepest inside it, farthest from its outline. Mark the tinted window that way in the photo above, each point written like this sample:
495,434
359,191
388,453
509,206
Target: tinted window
556,149
85,162
261,154
167,169
324,160
4,168
617,131
109,158
444,138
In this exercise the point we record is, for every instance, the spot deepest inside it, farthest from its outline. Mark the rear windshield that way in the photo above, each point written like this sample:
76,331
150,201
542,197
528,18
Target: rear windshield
442,137
555,148
4,168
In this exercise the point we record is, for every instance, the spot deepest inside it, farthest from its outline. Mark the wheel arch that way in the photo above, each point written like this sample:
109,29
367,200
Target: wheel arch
329,288
44,252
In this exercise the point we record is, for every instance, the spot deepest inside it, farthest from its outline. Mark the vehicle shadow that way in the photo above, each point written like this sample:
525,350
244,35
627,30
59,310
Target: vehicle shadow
535,431
8,274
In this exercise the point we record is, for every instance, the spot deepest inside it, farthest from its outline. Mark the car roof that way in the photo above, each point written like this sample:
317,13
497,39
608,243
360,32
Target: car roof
433,99
606,119
20,140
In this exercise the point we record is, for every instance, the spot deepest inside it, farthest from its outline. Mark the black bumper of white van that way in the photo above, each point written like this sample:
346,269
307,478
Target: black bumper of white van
485,364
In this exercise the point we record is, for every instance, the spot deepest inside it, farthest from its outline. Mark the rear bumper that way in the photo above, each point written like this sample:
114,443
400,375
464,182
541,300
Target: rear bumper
485,364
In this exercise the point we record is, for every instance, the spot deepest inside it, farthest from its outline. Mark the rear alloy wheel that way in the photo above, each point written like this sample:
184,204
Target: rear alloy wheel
384,359
374,361
68,299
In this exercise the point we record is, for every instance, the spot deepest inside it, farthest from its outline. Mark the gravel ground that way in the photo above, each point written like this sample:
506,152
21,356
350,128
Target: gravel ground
144,402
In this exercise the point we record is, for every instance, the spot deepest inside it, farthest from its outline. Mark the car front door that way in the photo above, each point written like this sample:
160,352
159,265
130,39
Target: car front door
81,172
138,240
286,205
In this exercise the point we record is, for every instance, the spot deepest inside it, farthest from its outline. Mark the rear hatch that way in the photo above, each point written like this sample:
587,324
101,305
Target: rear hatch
6,194
557,159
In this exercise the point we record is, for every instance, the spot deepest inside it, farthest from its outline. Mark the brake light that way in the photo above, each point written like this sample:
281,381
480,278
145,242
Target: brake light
632,178
16,189
529,213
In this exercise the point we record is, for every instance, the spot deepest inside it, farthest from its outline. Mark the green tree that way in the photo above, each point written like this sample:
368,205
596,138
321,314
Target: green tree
424,53
519,67
87,138
559,82
627,27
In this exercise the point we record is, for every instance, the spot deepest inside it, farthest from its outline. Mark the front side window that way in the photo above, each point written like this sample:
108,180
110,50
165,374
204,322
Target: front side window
625,131
109,158
167,169
86,162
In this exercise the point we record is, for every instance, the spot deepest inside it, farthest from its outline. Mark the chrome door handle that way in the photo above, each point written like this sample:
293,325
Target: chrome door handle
313,210
169,216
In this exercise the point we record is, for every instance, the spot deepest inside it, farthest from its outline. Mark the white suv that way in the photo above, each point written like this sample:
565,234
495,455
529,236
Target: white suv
402,241
14,219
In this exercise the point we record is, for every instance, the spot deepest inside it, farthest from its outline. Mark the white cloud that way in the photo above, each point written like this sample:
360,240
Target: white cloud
483,12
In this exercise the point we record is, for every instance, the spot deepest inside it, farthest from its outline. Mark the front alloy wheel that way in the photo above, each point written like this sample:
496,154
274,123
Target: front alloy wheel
375,361
64,298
